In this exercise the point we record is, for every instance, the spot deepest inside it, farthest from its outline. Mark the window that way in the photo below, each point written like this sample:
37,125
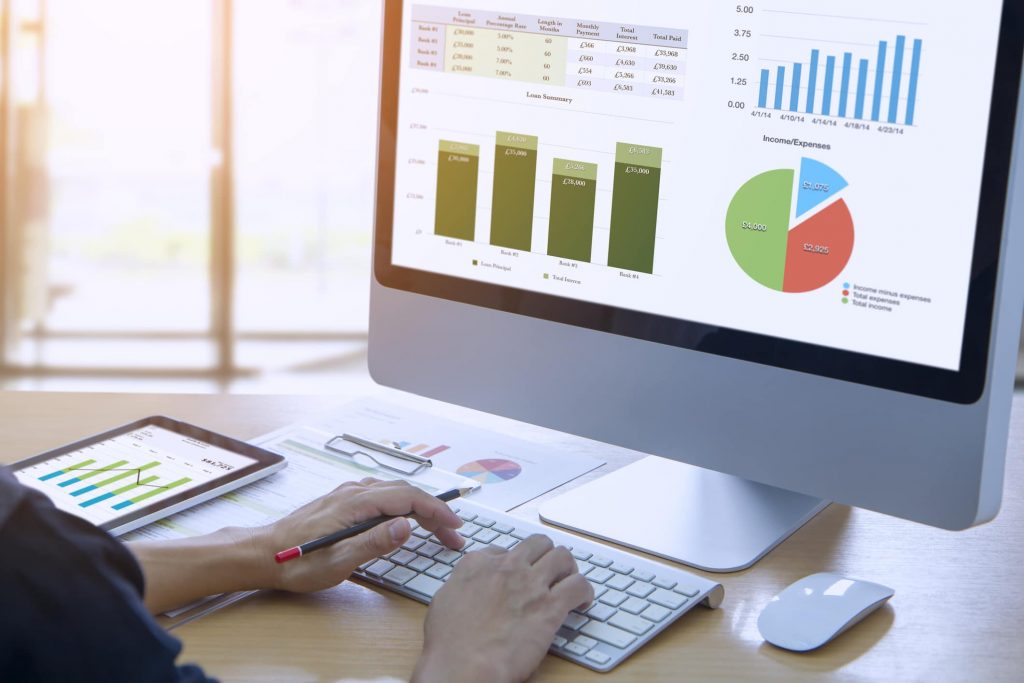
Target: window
189,185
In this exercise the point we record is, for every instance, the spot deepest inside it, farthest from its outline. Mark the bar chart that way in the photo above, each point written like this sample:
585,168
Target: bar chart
635,180
880,86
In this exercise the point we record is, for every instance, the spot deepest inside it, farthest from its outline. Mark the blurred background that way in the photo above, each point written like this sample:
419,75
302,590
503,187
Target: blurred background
186,193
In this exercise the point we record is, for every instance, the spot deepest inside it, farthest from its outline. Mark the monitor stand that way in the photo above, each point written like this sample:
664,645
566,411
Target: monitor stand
705,519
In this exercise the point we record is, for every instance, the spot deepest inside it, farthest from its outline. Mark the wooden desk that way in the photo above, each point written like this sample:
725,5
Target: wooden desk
956,615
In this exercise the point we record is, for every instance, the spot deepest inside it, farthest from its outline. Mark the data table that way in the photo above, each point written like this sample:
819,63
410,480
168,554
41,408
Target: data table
575,53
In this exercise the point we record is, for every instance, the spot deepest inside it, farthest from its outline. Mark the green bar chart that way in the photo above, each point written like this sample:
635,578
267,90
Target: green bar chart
515,180
573,198
458,171
635,198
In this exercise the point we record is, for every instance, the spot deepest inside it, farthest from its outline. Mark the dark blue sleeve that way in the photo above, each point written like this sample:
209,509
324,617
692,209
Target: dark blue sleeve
71,603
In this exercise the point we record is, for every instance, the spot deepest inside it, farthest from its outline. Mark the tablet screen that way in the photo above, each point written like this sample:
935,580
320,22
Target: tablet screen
108,479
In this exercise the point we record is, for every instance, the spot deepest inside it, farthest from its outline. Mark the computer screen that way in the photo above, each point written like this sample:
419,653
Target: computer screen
803,179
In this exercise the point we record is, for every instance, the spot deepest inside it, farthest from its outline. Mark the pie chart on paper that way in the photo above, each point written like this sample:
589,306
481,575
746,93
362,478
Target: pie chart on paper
790,230
490,471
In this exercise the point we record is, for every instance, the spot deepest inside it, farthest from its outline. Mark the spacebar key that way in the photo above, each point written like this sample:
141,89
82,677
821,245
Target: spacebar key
607,634
425,585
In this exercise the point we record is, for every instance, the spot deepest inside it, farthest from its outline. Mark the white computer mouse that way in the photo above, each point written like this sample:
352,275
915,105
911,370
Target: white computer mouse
817,608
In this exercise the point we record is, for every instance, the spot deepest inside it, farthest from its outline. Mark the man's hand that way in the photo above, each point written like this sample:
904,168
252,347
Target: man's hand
350,504
496,617
235,559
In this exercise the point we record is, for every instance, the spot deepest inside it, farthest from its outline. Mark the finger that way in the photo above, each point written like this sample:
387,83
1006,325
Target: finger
533,548
369,481
449,537
379,540
572,592
555,566
402,499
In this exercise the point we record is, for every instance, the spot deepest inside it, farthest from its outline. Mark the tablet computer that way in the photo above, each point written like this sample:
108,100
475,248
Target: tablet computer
130,476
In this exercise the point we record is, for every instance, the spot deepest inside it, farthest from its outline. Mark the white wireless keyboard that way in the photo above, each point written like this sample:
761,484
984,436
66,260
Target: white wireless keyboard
634,599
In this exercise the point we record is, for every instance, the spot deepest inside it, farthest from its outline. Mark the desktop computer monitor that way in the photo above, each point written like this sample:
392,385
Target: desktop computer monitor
774,244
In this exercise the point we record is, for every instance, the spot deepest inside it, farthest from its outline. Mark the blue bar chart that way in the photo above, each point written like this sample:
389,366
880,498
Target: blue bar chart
882,85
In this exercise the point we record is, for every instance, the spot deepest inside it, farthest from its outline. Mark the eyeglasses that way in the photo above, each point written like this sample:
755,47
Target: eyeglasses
344,445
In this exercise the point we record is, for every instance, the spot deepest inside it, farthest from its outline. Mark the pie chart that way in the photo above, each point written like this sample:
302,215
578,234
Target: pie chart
490,471
786,250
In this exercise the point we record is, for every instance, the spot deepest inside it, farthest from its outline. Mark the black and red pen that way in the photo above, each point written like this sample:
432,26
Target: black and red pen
331,539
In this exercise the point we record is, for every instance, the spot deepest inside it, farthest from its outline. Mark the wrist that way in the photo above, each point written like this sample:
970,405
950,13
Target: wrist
459,667
252,556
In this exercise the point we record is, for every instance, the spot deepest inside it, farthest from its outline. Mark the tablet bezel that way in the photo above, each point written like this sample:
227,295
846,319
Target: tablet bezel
265,462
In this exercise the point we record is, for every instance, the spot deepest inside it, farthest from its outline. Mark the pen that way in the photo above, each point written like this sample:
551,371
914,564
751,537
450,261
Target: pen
331,539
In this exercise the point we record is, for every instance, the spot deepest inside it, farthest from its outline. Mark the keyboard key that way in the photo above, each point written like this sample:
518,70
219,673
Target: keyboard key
667,599
661,582
619,582
584,567
688,591
448,556
642,575
574,621
641,590
468,530
634,605
585,642
628,622
621,568
600,611
576,649
600,561
413,524
429,549
485,536
439,571
503,528
521,534
379,568
403,557
581,554
505,542
608,634
364,565
413,543
613,598
421,564
599,590
599,575
467,516
420,532
485,522
655,613
400,575
471,545
598,657
424,585
559,641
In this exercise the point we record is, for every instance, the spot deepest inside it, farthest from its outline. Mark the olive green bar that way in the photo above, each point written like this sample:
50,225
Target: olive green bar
571,227
458,169
634,217
576,169
452,147
517,140
644,155
515,181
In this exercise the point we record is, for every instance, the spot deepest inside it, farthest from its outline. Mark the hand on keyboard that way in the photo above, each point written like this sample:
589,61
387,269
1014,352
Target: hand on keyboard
495,618
350,504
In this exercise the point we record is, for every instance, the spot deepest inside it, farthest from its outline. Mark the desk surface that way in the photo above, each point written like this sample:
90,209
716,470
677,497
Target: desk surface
956,613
